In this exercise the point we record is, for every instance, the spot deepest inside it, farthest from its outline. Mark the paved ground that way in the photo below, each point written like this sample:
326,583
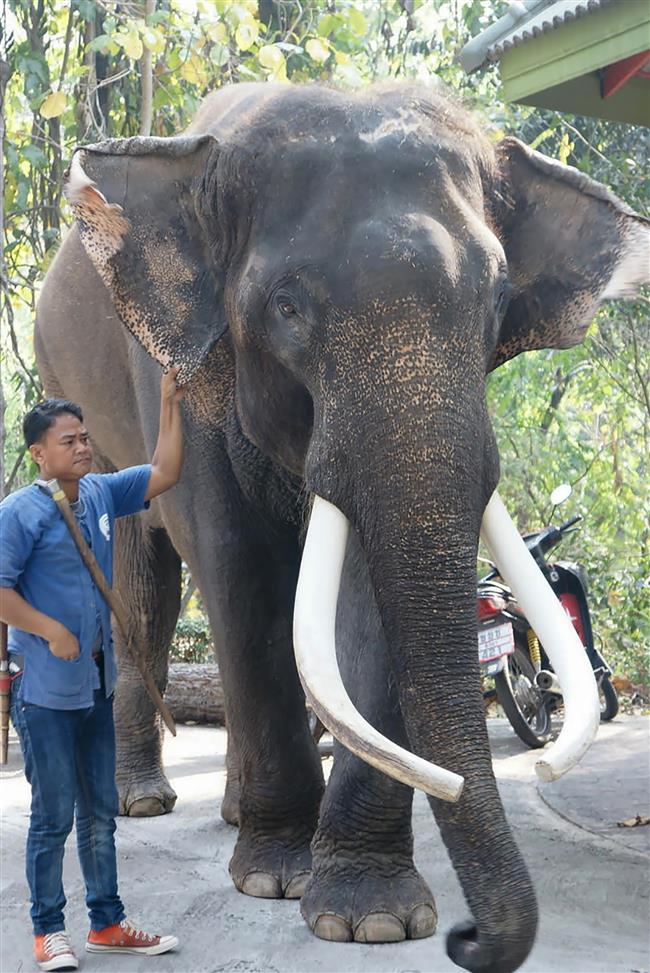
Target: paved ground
592,878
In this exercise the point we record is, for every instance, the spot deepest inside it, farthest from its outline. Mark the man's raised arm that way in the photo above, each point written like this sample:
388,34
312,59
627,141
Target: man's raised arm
167,459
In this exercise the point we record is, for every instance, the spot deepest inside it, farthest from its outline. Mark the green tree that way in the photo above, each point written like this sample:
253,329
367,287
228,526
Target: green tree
78,72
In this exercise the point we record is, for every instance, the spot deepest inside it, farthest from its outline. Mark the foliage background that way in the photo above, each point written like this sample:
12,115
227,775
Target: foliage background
88,69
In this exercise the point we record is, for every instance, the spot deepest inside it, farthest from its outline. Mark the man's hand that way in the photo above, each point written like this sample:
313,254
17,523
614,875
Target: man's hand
63,643
14,610
169,390
167,459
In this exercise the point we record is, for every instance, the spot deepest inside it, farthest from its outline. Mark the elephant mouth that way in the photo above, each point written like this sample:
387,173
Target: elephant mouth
315,649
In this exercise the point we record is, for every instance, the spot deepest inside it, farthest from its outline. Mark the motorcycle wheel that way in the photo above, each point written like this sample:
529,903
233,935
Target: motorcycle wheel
608,700
523,703
315,726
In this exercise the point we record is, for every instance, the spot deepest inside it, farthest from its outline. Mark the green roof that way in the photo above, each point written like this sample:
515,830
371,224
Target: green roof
588,57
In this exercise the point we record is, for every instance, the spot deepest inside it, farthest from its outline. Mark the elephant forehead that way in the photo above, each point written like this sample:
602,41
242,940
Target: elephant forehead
343,175
413,238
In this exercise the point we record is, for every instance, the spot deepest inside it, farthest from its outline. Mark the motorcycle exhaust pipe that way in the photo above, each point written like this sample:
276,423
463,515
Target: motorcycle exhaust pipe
548,682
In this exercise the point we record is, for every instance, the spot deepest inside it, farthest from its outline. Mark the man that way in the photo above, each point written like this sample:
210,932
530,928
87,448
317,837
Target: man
60,637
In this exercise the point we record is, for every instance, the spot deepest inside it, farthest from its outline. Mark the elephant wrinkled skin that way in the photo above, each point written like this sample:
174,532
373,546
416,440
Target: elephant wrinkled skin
335,274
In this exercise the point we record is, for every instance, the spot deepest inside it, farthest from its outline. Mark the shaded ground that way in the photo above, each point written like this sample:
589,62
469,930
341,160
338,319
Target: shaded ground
592,878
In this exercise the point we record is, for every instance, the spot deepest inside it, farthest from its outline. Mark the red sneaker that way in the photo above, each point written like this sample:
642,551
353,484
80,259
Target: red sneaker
54,952
127,938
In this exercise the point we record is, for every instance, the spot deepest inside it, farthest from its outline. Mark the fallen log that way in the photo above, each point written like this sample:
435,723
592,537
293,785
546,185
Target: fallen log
194,693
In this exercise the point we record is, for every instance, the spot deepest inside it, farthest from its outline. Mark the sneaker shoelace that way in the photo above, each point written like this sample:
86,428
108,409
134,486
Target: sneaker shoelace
132,930
56,943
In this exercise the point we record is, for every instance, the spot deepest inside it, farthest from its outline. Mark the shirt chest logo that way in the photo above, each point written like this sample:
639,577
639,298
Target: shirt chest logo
105,526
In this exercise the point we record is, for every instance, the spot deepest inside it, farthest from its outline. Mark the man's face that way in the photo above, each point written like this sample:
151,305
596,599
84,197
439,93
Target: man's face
64,452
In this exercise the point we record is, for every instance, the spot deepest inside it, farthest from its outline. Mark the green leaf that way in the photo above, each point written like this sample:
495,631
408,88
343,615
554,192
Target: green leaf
54,105
219,55
318,50
270,56
161,98
357,21
246,34
34,155
99,43
217,32
131,43
328,24
542,137
193,70
153,40
565,148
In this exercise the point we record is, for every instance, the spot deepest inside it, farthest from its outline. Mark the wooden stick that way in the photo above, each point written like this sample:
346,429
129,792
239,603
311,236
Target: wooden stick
114,601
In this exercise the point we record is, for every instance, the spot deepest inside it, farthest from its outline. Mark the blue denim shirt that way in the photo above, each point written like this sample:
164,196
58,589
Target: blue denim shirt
38,558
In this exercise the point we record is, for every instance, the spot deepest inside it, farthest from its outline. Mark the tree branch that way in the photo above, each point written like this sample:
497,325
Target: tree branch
8,486
66,49
146,77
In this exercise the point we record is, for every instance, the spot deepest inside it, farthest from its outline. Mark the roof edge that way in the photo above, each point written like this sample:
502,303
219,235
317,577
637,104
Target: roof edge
475,52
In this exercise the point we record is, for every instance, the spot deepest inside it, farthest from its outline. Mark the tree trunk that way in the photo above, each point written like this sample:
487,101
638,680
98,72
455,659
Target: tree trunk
146,77
194,694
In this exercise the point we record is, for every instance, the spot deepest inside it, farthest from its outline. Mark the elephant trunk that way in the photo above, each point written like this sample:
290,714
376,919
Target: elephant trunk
418,520
424,575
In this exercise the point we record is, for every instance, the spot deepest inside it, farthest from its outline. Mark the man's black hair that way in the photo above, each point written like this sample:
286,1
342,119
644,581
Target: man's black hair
39,419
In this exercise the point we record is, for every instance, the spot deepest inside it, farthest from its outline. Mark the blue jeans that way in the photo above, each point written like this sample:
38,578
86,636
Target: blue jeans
70,764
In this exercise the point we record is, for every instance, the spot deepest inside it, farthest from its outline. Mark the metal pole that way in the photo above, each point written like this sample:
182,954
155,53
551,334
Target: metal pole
5,694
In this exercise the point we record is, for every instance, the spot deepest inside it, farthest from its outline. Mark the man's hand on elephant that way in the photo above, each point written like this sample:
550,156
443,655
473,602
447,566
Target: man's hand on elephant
167,459
169,390
63,644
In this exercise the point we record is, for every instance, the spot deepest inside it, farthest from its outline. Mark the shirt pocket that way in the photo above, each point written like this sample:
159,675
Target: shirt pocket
65,680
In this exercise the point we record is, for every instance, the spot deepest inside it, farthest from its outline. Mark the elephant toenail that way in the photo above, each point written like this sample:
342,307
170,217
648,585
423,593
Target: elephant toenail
147,807
333,928
422,923
262,886
380,927
297,886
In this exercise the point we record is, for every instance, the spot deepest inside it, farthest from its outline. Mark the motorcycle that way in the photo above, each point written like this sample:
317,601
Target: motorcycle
526,685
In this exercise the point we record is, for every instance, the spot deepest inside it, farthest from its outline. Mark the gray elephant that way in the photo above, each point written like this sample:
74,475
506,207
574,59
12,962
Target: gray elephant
336,275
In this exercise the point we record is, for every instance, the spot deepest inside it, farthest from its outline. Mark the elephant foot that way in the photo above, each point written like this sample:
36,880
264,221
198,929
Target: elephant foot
146,797
272,867
360,902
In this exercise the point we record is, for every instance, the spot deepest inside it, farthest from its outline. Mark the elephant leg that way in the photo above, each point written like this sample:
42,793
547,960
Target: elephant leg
280,773
364,884
230,802
147,576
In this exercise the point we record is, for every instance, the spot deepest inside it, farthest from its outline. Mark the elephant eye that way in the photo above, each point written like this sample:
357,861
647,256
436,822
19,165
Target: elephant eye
286,306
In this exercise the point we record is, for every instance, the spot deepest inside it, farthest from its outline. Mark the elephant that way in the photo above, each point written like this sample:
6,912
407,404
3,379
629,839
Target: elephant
336,274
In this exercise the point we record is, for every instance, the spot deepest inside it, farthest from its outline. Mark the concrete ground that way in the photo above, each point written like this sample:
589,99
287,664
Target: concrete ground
592,877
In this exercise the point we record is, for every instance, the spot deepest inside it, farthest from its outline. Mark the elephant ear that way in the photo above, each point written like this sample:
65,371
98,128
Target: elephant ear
570,244
137,203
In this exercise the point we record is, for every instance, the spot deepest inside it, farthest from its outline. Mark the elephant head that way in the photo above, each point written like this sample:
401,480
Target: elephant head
369,259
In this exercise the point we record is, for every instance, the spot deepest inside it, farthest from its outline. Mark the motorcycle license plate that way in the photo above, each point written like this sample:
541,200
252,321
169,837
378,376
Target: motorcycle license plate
495,641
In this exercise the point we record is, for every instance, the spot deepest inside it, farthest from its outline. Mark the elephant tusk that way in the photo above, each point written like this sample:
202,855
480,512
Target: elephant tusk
314,627
556,633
